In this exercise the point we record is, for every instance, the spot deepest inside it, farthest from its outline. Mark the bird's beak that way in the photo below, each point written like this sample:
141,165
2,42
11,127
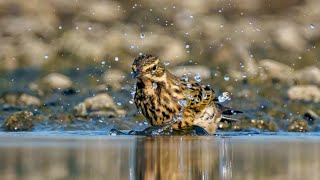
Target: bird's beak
135,74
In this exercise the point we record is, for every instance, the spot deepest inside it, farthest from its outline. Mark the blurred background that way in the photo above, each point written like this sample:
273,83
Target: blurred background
56,34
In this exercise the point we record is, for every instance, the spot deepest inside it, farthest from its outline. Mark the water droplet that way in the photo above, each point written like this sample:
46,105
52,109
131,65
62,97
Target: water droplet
190,97
131,101
132,47
60,27
166,63
116,59
154,85
103,62
184,78
226,77
197,77
312,26
119,103
224,97
182,102
113,132
179,116
89,28
142,36
46,56
187,46
204,95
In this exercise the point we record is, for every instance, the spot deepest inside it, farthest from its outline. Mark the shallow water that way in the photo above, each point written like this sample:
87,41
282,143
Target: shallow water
71,155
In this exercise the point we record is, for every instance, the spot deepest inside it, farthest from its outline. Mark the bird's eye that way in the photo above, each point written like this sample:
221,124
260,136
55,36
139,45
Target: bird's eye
154,68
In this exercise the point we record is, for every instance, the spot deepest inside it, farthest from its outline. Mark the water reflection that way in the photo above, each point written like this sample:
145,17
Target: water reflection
159,158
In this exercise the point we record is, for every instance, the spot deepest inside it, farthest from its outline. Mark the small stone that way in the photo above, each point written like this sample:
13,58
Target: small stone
62,118
276,70
53,81
308,75
311,116
19,121
264,125
298,125
305,93
19,99
100,105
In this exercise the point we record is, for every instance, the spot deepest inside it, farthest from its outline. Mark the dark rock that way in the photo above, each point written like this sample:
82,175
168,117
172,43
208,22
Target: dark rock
298,125
310,116
20,121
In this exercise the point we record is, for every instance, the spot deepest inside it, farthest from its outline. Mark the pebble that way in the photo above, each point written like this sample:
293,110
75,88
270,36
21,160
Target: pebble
276,70
19,121
305,93
298,125
308,75
102,105
19,99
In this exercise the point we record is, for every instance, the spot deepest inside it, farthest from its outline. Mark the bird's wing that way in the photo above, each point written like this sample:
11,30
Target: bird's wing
198,96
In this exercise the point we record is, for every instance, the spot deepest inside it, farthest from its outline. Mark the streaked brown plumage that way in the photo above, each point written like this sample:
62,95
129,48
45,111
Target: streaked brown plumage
165,99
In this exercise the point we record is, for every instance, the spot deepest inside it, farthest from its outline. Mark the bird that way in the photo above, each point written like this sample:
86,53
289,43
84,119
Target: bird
181,103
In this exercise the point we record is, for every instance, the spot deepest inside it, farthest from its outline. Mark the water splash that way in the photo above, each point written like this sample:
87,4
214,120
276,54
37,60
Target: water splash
224,97
154,85
226,77
197,77
184,78
182,102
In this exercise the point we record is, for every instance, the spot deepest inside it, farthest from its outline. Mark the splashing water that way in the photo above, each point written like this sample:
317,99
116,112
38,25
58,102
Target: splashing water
226,77
154,85
197,77
166,63
184,78
224,97
182,102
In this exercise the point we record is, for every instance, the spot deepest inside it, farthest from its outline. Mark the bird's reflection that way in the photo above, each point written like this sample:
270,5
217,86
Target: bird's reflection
160,158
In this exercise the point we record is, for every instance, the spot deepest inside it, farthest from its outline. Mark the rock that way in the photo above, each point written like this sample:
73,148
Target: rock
19,99
276,70
298,125
53,81
309,75
311,116
104,11
289,37
305,93
57,81
99,105
62,118
192,71
19,121
114,78
264,125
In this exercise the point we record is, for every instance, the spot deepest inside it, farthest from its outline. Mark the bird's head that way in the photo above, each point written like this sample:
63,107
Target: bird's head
148,67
